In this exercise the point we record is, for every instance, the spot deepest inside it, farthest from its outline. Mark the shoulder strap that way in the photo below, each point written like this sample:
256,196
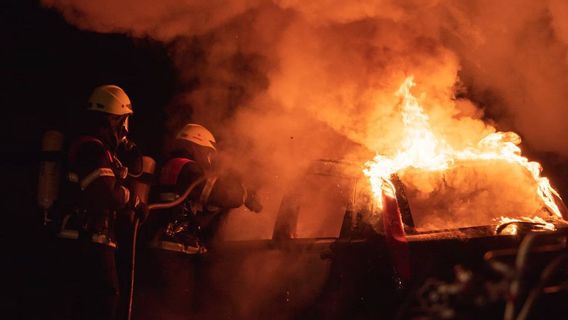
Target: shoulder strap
80,141
171,170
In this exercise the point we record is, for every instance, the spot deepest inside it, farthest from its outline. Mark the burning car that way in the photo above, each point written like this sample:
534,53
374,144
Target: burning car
333,253
368,241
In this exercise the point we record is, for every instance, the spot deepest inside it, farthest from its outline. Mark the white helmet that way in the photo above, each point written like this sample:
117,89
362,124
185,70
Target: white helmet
197,134
110,99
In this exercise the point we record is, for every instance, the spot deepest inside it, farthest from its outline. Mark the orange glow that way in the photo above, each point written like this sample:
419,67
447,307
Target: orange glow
422,149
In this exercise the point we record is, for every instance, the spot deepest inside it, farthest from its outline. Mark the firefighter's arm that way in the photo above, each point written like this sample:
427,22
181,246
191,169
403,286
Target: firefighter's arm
252,202
225,191
190,173
110,193
229,192
96,178
131,157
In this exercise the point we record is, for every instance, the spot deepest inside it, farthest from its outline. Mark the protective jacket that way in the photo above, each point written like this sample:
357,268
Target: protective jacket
200,214
96,178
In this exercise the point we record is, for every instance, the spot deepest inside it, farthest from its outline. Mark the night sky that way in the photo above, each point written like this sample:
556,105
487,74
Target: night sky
49,69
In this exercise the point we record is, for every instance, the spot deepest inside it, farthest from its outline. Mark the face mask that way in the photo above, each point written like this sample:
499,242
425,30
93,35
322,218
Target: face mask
118,130
122,130
206,157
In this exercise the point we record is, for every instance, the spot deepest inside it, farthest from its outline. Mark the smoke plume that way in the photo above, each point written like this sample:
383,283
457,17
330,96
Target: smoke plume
335,62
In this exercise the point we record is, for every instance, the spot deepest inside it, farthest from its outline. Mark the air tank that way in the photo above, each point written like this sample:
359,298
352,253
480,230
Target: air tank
49,170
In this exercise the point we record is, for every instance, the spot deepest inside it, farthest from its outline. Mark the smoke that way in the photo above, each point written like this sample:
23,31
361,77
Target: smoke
336,62
515,52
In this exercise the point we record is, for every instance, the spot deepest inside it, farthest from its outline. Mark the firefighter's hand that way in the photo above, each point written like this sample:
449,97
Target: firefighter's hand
129,154
252,202
141,211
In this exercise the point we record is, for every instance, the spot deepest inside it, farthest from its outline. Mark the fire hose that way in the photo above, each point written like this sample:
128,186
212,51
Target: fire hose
520,266
535,293
512,310
48,187
153,207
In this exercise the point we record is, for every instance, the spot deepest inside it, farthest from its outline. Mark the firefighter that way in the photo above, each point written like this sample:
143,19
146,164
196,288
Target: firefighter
99,201
194,223
179,237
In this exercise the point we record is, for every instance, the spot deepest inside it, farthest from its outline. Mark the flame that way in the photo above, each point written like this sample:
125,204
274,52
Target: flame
422,149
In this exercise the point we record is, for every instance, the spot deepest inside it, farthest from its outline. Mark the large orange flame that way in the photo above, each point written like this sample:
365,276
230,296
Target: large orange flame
422,149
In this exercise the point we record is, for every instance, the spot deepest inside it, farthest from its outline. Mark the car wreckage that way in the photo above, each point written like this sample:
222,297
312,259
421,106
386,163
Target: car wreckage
333,255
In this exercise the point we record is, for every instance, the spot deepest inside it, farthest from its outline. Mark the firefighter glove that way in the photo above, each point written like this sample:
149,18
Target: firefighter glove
252,202
130,155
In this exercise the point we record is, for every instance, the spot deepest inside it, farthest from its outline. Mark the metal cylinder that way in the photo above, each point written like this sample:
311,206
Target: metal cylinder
50,168
141,185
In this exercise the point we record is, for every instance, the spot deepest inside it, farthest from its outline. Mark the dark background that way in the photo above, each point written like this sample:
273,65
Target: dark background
48,69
